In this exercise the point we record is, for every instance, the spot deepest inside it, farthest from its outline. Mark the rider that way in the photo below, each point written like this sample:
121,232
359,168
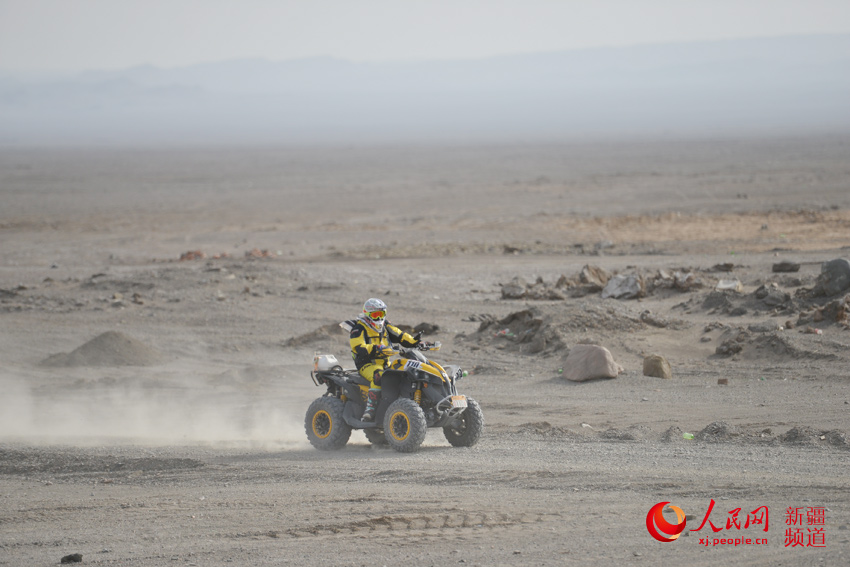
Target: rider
371,339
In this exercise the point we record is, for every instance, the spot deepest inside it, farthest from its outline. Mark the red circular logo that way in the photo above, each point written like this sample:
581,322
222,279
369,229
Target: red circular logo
656,523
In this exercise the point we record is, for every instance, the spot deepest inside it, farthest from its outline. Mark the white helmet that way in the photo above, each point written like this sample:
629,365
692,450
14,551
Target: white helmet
375,313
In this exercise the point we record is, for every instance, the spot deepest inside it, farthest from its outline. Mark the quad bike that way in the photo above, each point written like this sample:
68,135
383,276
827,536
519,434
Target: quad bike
417,393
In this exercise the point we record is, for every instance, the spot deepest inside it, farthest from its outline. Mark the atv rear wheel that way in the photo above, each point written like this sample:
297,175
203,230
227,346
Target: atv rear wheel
325,426
405,425
466,429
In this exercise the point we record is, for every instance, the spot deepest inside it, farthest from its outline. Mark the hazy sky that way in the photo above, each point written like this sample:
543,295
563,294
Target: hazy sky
72,35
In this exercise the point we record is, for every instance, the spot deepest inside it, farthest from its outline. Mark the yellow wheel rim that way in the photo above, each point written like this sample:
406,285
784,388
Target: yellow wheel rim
399,426
322,424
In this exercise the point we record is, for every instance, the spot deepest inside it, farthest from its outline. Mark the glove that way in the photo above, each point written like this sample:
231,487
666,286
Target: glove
384,352
417,339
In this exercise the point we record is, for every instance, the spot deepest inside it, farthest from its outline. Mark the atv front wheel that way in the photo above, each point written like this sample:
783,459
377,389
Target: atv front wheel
466,429
325,426
405,425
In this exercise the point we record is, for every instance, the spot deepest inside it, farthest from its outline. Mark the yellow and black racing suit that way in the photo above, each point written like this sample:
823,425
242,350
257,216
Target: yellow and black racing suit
371,349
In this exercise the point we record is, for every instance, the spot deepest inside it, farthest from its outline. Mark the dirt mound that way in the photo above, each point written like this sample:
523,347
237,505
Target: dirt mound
783,345
673,434
833,312
632,433
804,435
800,436
775,345
108,349
525,331
331,333
547,430
717,432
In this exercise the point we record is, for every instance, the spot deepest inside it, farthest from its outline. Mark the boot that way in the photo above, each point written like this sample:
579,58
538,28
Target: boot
371,404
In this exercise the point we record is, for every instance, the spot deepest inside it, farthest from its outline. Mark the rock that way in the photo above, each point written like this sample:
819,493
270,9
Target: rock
685,281
725,267
539,290
594,277
835,311
650,319
515,289
624,287
73,558
786,267
767,327
771,295
729,347
657,366
730,285
717,301
834,278
587,362
723,381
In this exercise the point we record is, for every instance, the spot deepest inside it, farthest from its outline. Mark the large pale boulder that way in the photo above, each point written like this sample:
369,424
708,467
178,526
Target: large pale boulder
587,362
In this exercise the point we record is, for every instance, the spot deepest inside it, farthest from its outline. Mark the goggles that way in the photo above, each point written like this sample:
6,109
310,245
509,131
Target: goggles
376,315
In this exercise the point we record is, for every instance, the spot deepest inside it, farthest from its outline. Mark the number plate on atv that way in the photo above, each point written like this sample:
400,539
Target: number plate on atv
458,401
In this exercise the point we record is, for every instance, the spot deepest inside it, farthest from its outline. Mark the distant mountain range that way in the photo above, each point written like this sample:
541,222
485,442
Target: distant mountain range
742,87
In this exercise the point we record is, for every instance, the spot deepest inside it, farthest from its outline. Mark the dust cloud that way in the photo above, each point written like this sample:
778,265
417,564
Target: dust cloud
147,411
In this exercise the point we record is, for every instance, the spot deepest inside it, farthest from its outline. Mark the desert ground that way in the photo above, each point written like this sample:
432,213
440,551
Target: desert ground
160,310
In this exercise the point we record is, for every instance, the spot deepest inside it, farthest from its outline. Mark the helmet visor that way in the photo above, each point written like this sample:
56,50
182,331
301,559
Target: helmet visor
377,315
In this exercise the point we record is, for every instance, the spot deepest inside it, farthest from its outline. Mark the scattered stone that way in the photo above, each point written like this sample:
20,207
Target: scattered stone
624,287
588,362
724,267
686,281
738,312
73,558
257,253
594,277
771,295
781,267
518,288
836,311
515,289
192,255
657,366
